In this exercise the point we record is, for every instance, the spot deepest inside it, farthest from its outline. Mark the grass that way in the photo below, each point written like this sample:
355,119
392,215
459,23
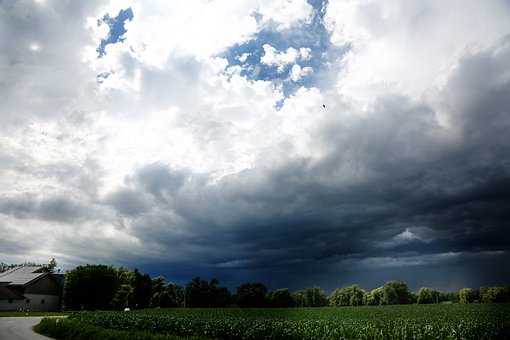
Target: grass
21,314
475,321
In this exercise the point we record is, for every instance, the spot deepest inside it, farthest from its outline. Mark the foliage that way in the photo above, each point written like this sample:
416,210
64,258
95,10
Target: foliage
90,287
425,296
74,330
374,297
466,295
315,297
122,296
396,293
166,295
436,321
280,298
125,276
101,287
200,293
347,296
251,295
494,294
142,290
52,264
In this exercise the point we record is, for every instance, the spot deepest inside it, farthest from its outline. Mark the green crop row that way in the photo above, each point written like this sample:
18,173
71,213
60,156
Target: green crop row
383,322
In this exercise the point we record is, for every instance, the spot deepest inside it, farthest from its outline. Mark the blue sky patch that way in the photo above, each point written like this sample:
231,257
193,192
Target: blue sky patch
312,35
117,29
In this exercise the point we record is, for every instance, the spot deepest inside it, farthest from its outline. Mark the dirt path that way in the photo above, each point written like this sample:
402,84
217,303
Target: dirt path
20,328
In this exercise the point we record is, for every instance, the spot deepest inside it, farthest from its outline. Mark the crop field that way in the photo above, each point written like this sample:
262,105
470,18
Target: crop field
474,321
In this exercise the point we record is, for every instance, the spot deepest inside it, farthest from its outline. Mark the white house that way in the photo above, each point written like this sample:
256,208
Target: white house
30,288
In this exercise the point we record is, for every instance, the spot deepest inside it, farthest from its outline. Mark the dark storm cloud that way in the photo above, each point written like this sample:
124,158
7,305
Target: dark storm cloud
396,190
51,208
128,202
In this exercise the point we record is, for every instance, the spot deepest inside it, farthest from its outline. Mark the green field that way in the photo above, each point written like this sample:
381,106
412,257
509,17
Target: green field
455,321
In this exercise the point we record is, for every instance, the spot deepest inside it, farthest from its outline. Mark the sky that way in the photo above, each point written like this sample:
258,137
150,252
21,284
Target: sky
298,143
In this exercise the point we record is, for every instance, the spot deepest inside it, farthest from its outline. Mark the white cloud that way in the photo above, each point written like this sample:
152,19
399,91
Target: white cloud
296,73
273,57
285,13
242,58
305,53
409,47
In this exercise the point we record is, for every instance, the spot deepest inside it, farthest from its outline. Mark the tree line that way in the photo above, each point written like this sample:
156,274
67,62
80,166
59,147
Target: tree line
103,287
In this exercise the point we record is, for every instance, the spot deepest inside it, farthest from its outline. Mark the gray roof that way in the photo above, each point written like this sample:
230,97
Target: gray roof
6,293
22,275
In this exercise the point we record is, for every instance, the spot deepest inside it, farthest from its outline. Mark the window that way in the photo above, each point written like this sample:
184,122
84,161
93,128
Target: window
42,301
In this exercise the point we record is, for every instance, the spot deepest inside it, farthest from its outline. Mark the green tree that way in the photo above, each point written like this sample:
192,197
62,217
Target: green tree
200,293
425,296
218,296
466,295
494,294
125,276
374,297
122,296
315,297
158,291
142,290
52,264
396,292
299,299
347,296
174,296
251,295
90,287
280,298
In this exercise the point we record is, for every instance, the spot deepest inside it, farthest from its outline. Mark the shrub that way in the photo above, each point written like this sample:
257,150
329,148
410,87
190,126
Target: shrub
65,329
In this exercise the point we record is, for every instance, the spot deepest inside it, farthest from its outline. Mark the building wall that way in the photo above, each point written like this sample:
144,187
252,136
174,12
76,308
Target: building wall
35,303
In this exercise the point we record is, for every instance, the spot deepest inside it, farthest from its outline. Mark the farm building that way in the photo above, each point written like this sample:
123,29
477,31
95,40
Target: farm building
30,288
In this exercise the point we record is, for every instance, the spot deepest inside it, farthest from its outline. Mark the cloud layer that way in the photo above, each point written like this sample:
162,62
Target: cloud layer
164,153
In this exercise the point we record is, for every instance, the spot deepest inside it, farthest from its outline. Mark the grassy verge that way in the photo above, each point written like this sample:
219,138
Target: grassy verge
20,314
64,329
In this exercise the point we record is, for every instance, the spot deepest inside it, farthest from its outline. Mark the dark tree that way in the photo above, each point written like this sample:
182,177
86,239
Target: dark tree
122,297
494,294
158,291
280,298
142,290
299,299
315,297
251,295
200,293
396,293
174,296
90,287
218,296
